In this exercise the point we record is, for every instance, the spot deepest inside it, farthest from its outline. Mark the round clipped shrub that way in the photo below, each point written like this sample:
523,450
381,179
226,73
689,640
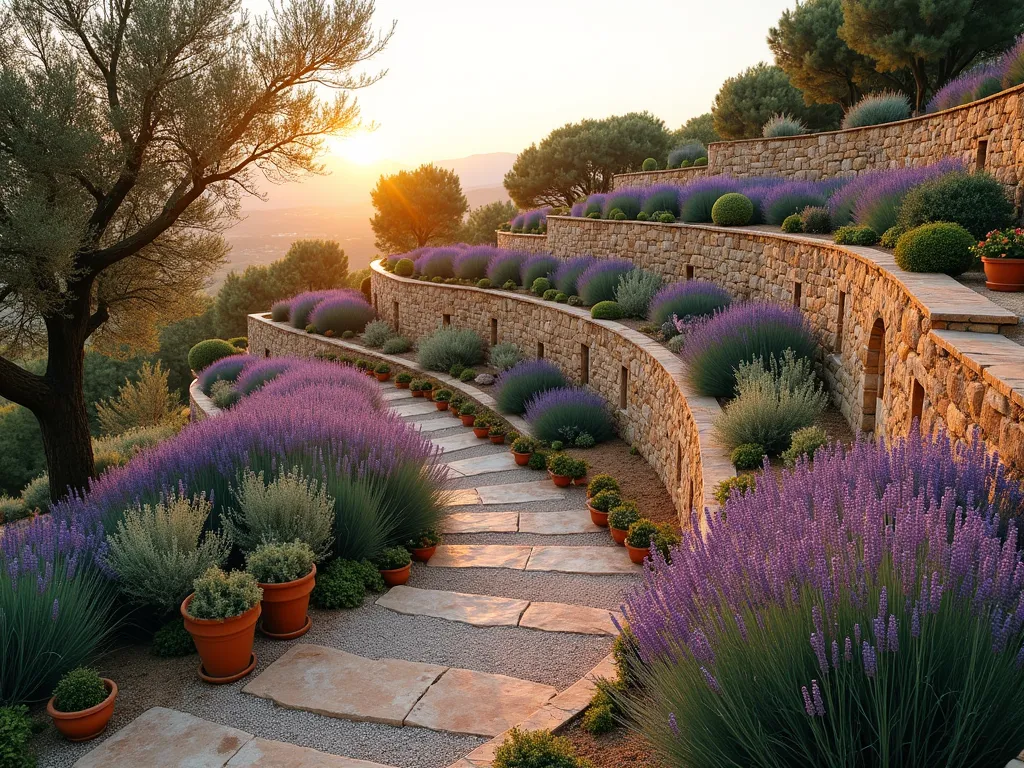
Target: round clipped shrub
687,164
700,162
975,201
891,236
938,247
562,298
483,282
666,218
853,235
617,215
747,456
650,164
642,216
793,224
405,268
606,310
732,210
537,749
541,286
816,220
550,294
208,352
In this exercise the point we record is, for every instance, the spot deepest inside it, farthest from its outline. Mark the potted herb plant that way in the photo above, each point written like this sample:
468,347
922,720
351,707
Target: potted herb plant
455,406
403,380
601,504
416,387
221,616
482,426
287,574
441,398
564,469
383,371
620,518
428,390
394,564
497,434
423,546
363,365
468,414
82,704
522,447
1002,256
638,539
602,483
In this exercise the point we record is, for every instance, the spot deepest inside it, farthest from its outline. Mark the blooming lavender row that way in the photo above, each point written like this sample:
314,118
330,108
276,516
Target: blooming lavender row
875,193
981,81
530,222
301,307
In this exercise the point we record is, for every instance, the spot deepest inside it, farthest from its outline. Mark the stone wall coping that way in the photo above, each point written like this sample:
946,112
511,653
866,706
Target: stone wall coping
198,400
823,135
518,234
477,394
939,297
716,464
661,171
997,359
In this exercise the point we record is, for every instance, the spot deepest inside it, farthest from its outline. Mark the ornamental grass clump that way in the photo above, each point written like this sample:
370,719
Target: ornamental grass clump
877,109
505,355
567,275
660,199
226,369
694,298
847,609
540,265
567,413
715,346
629,201
524,380
599,281
506,266
689,152
791,197
376,333
280,310
447,346
781,125
335,315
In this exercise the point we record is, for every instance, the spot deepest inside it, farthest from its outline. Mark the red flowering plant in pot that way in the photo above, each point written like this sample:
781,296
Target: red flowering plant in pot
286,573
394,564
424,546
1002,256
221,616
441,399
620,517
82,704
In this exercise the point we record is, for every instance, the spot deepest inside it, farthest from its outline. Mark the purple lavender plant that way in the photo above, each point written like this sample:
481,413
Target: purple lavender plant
566,276
698,197
539,265
472,263
597,283
524,380
505,266
791,197
691,299
437,262
343,313
567,413
225,369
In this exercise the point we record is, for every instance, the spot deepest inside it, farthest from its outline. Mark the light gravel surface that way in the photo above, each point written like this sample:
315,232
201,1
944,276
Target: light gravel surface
599,539
975,280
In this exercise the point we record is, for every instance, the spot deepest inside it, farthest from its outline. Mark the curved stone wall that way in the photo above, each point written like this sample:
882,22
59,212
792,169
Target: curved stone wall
652,178
898,346
519,242
654,407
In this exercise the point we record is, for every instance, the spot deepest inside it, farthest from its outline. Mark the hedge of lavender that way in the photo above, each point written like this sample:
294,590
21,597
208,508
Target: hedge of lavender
505,266
982,81
568,413
301,306
533,222
337,314
715,346
471,264
539,265
691,299
225,369
865,610
566,276
524,380
598,282
437,262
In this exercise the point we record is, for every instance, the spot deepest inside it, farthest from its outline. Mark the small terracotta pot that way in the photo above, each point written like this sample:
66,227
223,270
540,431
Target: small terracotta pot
497,439
428,393
1003,274
423,554
522,459
467,419
87,724
442,405
396,577
224,645
382,376
481,432
618,534
580,480
417,393
454,411
402,384
636,554
598,517
284,607
562,481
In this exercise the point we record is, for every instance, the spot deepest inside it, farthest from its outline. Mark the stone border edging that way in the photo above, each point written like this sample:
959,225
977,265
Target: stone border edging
200,406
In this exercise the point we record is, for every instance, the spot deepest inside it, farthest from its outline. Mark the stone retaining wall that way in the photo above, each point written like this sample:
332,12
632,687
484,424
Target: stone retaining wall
519,242
897,345
199,405
652,178
654,407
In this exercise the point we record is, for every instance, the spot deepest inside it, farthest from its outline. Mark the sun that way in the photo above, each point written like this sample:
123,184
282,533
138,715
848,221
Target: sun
362,148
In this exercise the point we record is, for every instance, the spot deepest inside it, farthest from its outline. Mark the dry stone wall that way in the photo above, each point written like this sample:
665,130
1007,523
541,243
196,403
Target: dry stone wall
519,242
897,346
652,178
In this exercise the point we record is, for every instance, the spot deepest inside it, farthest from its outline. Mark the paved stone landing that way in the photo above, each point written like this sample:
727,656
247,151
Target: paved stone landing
414,409
339,684
433,425
396,394
554,523
476,703
593,560
480,556
483,465
166,738
561,617
508,493
480,522
458,442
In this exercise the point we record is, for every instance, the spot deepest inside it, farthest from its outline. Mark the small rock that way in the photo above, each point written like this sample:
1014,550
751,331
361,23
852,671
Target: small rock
484,379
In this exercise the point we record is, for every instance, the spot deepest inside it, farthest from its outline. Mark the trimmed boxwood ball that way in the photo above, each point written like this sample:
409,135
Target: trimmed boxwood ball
209,351
483,282
732,210
851,235
747,456
606,310
975,201
938,247
793,224
650,164
550,294
541,286
405,268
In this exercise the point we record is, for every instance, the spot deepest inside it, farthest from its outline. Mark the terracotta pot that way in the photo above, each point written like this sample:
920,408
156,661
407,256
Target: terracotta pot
562,481
382,376
580,480
428,393
396,577
468,419
442,405
598,517
481,432
1003,274
284,607
417,393
522,459
423,554
224,645
497,439
87,724
636,554
453,410
402,384
618,534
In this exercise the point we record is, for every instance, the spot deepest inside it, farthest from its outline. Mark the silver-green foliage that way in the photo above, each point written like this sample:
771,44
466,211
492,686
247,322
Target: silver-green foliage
220,595
804,442
506,355
635,291
158,551
771,403
279,563
377,332
396,345
446,346
291,507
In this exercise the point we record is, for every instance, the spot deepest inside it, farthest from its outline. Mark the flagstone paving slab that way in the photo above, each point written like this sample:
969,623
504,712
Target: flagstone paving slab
261,753
432,425
561,617
414,409
166,738
396,394
483,465
478,610
480,556
554,523
339,684
480,522
477,703
465,497
457,442
520,493
598,560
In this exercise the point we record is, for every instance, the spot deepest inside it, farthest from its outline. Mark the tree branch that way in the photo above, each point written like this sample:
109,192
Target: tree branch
21,387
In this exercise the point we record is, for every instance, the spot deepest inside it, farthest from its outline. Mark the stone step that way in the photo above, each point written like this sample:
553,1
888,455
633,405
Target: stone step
489,611
591,560
507,493
166,738
414,409
483,465
543,523
433,425
458,442
480,522
334,683
391,393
